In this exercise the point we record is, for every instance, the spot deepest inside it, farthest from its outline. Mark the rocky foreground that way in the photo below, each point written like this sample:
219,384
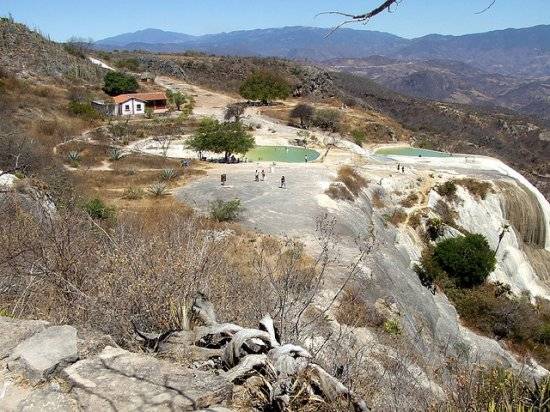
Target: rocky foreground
60,368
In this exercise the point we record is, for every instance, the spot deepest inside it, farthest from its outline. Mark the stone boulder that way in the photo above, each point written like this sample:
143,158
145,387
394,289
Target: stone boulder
45,352
120,380
15,331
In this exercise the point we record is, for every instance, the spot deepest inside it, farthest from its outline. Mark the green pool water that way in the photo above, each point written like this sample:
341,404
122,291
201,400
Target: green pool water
287,154
410,151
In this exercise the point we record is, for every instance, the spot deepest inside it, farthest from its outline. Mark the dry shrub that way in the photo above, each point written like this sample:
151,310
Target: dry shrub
397,217
410,200
354,311
352,180
415,219
447,213
477,188
378,198
339,191
146,268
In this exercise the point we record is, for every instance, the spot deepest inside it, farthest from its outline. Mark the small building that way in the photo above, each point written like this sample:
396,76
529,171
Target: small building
147,77
136,103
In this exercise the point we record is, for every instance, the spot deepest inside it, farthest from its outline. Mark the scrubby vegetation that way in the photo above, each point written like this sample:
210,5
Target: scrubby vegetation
447,189
116,83
98,210
348,186
327,119
227,138
265,86
459,267
477,188
225,211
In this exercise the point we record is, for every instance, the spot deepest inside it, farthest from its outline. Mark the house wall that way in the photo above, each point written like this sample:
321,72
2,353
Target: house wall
131,107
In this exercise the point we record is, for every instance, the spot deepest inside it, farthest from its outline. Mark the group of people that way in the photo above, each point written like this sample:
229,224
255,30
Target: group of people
400,168
223,178
262,174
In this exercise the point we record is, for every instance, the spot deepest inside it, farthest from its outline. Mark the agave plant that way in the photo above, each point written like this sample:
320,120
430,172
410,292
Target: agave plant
168,174
157,189
74,157
115,154
133,193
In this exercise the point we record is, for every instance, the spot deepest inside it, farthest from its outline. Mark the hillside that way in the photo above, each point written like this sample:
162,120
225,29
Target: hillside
454,82
516,140
344,279
522,52
28,54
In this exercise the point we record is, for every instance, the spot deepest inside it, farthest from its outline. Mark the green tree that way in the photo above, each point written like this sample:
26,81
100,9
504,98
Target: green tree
304,113
116,83
265,87
227,138
327,119
177,99
467,259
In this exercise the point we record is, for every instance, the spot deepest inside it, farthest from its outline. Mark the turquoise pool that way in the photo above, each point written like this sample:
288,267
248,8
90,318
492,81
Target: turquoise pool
410,151
287,154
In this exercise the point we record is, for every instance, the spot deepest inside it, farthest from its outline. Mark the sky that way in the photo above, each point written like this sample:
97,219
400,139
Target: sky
98,19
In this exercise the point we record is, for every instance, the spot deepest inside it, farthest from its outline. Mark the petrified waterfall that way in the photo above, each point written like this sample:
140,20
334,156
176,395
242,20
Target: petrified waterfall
522,209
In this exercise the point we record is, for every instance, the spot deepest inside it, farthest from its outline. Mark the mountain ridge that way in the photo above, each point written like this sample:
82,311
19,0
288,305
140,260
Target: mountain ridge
524,51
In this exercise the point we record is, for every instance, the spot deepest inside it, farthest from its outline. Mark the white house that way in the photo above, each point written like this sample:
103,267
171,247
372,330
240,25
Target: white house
136,103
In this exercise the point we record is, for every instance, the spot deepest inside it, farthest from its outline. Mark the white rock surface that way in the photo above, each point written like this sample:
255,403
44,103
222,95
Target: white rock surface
44,352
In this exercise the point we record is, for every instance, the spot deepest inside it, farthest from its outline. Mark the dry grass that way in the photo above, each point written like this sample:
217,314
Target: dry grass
141,161
477,188
91,155
354,311
410,200
378,199
352,179
415,219
339,191
397,217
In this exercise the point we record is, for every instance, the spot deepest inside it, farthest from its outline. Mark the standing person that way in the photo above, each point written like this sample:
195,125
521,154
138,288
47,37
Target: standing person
283,182
263,175
306,158
402,169
223,179
398,167
256,176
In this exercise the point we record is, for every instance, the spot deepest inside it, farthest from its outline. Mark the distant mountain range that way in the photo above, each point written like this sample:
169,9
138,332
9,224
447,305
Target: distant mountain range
508,68
452,81
520,52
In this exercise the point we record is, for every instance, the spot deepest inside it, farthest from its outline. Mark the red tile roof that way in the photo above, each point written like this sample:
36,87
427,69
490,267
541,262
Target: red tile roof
121,98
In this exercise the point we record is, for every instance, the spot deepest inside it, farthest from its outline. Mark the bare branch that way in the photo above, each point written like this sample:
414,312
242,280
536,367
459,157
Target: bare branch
487,8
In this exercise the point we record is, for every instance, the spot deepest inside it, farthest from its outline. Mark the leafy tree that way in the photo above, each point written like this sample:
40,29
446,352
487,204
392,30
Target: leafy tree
177,99
327,119
234,111
265,87
227,138
303,112
467,259
116,83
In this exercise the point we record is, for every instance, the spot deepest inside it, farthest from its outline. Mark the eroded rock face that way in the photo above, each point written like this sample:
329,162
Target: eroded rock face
121,380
